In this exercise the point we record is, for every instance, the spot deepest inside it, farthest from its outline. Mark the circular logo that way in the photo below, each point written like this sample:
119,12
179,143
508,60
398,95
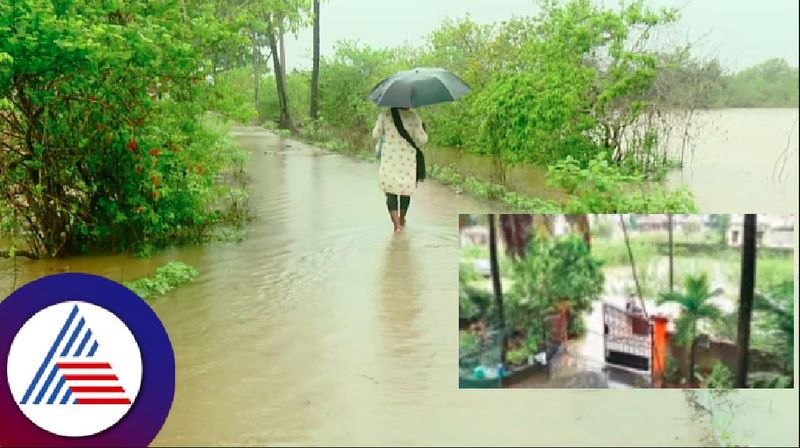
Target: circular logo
99,383
87,363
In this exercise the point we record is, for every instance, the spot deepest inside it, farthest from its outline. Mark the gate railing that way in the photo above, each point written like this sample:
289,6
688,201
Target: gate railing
628,339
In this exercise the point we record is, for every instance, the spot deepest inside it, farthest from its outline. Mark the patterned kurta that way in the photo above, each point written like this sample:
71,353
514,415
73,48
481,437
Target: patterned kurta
398,172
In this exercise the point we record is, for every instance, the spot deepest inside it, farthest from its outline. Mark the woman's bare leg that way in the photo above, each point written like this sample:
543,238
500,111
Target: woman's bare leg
395,215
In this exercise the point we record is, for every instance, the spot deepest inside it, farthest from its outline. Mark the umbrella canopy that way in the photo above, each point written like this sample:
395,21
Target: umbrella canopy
419,87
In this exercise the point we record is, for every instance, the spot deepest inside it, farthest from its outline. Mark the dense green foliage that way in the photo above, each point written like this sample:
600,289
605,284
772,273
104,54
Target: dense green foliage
772,83
720,377
602,188
165,279
553,272
686,82
561,87
105,143
544,87
775,319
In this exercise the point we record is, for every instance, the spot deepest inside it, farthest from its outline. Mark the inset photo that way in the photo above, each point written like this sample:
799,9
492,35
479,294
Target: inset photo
626,301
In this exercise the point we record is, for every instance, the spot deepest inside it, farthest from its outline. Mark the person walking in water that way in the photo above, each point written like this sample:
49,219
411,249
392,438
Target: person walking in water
402,162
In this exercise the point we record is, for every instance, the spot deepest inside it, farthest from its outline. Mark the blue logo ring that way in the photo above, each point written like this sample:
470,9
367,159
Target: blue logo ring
148,413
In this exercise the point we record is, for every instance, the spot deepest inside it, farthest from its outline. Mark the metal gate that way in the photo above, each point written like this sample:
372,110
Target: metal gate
628,339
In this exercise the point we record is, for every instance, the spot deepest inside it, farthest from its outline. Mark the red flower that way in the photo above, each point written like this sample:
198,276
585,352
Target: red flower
139,209
139,169
155,180
132,145
155,152
155,195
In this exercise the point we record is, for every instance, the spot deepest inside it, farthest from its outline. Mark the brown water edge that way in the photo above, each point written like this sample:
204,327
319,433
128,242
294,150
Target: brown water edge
526,179
737,160
321,327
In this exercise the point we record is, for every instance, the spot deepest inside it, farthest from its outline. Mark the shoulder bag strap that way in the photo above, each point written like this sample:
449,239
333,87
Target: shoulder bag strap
398,123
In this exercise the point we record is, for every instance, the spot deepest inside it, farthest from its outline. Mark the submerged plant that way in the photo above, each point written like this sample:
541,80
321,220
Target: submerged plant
166,278
718,409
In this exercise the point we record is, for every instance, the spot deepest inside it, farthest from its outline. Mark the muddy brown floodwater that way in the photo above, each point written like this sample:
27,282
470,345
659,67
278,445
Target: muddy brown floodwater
322,327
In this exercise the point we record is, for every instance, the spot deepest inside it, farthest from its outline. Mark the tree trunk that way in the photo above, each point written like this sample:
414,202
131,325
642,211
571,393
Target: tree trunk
497,286
692,355
746,298
255,70
581,224
285,121
282,49
315,64
633,264
499,169
516,231
671,254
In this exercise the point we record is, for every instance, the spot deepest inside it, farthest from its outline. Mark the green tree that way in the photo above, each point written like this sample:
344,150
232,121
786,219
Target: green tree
576,86
104,142
553,272
772,83
695,307
273,18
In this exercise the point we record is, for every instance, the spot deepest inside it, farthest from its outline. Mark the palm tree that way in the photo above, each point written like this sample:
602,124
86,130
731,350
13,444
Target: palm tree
695,307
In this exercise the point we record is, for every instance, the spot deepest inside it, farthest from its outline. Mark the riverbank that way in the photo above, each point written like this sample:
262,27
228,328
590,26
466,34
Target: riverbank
735,159
598,188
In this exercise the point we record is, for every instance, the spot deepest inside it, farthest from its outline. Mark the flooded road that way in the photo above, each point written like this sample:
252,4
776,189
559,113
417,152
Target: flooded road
322,327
